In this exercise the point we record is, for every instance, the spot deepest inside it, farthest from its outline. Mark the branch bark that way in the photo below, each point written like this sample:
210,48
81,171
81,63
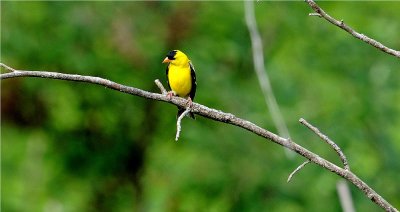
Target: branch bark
328,141
216,115
322,14
297,169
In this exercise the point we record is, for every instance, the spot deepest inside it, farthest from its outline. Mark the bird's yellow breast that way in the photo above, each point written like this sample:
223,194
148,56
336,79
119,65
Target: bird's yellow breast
180,80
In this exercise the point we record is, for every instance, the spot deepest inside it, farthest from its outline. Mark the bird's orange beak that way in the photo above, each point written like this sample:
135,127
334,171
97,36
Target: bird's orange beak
166,60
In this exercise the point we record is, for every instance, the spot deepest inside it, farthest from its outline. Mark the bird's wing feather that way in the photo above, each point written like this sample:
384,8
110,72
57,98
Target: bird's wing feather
194,83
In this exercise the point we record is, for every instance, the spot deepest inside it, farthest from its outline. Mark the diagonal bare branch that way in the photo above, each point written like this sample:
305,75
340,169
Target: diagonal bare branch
322,14
216,115
160,86
297,169
328,141
6,67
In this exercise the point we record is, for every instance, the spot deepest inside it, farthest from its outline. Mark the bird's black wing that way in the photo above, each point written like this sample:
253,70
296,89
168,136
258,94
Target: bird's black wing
194,83
166,72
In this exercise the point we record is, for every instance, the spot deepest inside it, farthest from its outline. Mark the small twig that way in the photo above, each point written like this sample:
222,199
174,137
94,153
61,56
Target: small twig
7,67
297,169
178,123
348,29
160,86
327,140
315,14
179,120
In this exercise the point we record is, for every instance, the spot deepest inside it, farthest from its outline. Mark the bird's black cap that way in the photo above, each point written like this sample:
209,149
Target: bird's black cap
171,55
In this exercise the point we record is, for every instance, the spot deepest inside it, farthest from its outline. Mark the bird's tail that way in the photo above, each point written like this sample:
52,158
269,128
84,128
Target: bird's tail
181,110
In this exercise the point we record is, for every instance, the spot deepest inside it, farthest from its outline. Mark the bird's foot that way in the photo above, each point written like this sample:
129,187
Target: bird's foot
189,102
170,94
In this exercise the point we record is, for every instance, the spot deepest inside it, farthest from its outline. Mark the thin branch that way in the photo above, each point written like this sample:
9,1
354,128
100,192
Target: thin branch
348,29
327,140
262,75
345,198
160,86
6,67
314,14
179,119
216,115
178,123
297,169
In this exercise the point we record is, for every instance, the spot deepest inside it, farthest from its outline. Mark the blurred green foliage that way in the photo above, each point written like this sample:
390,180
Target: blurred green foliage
69,146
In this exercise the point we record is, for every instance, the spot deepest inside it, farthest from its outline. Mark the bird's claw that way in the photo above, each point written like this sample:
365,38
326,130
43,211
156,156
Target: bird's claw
170,94
189,102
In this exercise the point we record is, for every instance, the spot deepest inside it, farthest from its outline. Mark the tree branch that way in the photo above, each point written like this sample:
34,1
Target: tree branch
160,86
297,169
328,141
322,14
178,123
216,115
6,67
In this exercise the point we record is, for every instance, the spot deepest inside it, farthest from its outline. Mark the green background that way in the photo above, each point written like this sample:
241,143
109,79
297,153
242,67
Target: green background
68,146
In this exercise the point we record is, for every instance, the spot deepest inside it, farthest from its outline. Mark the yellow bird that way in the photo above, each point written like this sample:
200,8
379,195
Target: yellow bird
181,78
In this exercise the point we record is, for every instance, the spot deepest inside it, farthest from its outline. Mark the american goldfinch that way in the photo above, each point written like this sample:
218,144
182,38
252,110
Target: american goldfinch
181,78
